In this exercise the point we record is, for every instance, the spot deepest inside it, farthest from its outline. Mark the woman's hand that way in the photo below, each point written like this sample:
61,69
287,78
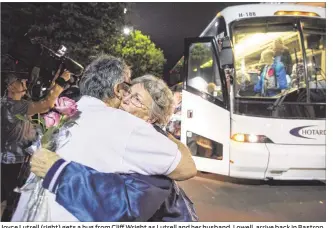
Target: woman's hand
42,160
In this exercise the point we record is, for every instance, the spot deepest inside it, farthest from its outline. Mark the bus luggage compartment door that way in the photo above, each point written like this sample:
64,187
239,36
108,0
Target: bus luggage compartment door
296,162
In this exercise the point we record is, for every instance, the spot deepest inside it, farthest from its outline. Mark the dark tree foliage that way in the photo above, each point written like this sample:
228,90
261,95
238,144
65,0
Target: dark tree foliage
81,27
139,52
86,29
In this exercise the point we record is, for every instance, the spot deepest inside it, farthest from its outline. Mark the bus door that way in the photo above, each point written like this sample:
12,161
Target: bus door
205,126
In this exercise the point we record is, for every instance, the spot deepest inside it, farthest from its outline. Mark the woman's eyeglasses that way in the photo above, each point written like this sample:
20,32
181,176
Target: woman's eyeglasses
134,98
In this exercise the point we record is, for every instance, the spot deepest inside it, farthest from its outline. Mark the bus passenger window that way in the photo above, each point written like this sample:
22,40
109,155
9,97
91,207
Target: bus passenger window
203,73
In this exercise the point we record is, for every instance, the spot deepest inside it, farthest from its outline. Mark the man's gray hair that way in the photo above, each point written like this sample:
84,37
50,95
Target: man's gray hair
162,106
102,75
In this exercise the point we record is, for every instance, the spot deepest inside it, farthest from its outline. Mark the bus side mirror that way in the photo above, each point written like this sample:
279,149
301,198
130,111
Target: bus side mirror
226,54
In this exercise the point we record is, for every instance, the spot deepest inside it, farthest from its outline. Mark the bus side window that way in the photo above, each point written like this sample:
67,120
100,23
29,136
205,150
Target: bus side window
203,73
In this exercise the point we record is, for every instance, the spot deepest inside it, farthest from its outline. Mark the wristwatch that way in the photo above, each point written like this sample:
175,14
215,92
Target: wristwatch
61,82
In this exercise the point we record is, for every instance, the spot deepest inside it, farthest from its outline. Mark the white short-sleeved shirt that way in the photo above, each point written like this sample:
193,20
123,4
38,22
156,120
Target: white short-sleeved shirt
111,140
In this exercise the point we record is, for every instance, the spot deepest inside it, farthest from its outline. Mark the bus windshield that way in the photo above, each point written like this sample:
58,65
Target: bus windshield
275,74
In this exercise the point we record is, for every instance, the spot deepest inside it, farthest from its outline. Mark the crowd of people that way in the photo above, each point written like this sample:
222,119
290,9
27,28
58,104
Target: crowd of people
17,135
119,163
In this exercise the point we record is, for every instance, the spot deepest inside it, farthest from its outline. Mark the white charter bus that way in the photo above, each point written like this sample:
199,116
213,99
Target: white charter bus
254,93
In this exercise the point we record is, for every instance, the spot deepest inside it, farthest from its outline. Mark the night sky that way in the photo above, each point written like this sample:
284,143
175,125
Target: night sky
169,23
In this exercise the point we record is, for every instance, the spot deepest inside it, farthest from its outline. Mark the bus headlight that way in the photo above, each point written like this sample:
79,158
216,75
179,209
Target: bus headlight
253,138
250,138
239,137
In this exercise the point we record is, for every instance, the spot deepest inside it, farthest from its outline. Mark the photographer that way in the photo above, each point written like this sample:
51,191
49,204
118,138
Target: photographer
17,134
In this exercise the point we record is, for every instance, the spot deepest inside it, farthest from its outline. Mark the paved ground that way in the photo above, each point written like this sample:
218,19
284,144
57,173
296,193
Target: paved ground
219,198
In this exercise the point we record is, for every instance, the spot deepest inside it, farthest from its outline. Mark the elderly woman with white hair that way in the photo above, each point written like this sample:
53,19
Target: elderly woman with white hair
149,99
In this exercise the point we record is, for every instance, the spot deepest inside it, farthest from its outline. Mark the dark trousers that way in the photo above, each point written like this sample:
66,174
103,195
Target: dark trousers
9,181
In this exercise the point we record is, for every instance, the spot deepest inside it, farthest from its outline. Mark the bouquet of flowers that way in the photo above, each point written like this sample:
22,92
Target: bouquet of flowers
54,127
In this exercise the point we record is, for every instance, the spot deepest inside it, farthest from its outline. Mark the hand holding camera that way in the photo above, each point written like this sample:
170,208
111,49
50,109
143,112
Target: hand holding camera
66,75
62,80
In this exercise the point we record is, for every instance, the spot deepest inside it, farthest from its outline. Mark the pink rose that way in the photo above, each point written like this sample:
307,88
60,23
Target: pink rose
52,119
66,106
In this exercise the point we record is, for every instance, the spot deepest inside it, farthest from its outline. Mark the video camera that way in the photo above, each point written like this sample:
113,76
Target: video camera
33,54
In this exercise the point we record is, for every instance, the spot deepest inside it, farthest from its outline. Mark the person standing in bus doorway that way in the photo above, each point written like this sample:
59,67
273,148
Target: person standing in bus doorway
282,64
276,67
282,54
267,79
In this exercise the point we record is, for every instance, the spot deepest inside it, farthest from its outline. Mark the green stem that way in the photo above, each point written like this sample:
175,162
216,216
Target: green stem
41,123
